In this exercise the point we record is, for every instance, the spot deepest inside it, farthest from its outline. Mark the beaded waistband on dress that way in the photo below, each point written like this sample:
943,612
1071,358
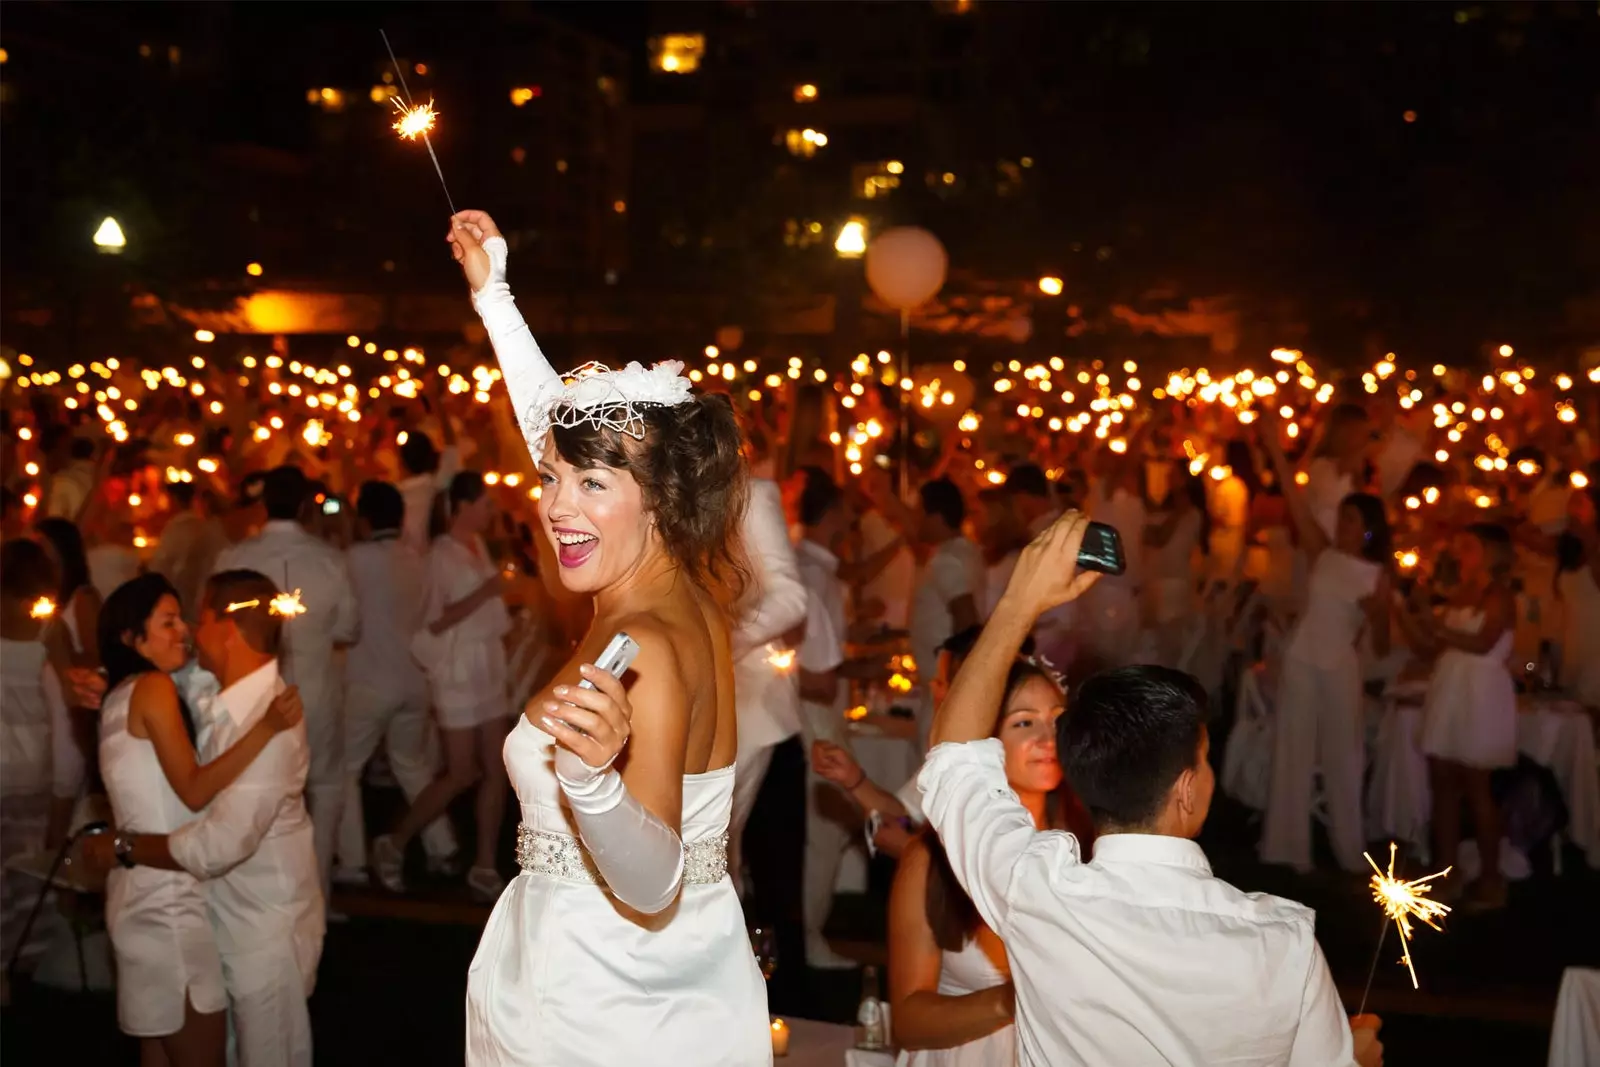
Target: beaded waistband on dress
561,856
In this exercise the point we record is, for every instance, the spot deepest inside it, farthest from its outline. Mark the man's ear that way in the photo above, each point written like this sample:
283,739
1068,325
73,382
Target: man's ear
1183,793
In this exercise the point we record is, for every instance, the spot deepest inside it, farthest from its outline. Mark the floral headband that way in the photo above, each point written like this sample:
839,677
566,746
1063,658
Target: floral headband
595,395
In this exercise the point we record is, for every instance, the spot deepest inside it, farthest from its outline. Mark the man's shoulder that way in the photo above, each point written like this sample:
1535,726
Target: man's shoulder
1262,909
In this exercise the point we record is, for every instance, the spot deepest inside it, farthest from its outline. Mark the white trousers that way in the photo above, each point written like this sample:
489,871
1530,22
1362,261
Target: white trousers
267,997
1317,725
832,823
749,773
399,720
323,695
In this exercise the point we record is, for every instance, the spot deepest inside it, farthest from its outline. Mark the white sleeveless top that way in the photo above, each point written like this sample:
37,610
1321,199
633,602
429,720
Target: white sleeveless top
968,971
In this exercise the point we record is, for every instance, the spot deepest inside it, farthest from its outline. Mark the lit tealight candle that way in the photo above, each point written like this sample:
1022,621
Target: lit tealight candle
780,1037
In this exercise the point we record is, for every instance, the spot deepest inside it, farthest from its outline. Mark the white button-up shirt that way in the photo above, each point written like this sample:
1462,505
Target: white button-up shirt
390,581
253,847
955,569
768,700
1139,957
822,648
419,492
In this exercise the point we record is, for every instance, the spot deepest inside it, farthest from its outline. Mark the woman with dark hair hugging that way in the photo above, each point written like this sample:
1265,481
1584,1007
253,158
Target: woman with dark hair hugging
622,941
169,977
949,980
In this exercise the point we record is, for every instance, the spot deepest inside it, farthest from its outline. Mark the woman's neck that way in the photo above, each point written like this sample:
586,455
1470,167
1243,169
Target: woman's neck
1036,804
652,578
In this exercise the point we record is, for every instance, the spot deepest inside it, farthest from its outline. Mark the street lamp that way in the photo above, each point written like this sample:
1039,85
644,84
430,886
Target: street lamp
852,240
108,238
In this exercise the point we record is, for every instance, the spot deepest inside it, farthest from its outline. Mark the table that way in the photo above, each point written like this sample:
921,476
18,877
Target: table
815,1044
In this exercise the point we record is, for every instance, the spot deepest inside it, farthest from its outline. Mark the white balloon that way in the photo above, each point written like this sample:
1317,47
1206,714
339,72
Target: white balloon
906,266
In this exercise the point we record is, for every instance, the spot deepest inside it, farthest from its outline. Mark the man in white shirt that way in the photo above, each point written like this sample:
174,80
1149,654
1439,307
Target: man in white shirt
766,693
949,589
253,845
287,554
1141,956
831,822
70,461
428,473
189,544
386,695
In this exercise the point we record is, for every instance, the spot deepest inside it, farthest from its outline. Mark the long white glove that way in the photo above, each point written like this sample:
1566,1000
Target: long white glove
530,380
639,856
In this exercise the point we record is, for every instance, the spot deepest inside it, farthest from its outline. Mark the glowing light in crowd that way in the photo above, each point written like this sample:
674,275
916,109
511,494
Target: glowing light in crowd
42,608
1403,901
414,122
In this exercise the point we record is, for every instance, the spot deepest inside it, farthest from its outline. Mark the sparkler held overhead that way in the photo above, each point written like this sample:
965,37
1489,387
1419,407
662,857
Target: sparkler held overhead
416,120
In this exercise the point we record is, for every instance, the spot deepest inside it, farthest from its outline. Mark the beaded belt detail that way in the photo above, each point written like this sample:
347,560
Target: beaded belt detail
542,852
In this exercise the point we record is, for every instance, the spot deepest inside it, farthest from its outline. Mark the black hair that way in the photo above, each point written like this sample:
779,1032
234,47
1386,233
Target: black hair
181,493
418,453
960,644
942,497
690,467
26,571
66,539
1132,732
467,487
381,505
1242,462
82,448
1376,540
819,496
126,613
951,915
283,491
1029,479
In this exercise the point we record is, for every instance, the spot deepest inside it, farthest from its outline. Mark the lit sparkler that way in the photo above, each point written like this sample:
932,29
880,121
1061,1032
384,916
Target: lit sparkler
286,605
1401,902
43,608
781,659
416,120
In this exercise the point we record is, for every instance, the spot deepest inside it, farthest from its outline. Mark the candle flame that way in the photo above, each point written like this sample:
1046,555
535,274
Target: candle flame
1403,901
782,659
416,121
43,608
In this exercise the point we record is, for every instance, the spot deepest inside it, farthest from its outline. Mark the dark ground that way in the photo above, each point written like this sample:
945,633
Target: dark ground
393,977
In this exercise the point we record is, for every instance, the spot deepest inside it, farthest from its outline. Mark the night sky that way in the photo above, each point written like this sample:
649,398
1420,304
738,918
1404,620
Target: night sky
1399,174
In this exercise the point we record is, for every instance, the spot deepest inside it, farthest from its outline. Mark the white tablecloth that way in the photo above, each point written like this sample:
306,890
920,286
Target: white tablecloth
1575,1036
1554,734
814,1044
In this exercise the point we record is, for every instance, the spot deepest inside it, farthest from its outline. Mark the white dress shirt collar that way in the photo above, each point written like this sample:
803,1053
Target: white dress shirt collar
1158,849
281,526
244,698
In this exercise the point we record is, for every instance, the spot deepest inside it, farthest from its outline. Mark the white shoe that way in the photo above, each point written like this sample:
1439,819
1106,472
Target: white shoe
388,863
352,876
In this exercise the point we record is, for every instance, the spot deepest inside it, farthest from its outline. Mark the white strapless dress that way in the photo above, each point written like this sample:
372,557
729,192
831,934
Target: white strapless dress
159,924
567,976
1470,713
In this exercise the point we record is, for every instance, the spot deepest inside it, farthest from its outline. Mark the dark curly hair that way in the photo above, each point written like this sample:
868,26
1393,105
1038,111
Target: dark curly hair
691,468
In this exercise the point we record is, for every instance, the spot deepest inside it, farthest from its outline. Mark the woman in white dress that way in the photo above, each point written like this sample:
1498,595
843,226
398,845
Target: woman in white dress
169,977
622,941
41,769
72,644
1469,718
1319,722
1170,545
1578,587
949,981
461,649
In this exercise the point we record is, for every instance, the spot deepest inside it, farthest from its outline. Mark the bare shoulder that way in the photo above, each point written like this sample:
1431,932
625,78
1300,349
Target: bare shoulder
914,857
660,644
154,687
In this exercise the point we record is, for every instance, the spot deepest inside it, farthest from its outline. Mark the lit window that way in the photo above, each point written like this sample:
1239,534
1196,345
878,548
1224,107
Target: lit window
872,180
677,53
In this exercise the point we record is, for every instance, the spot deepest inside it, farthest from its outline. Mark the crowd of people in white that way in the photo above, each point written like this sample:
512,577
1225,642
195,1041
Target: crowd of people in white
768,600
